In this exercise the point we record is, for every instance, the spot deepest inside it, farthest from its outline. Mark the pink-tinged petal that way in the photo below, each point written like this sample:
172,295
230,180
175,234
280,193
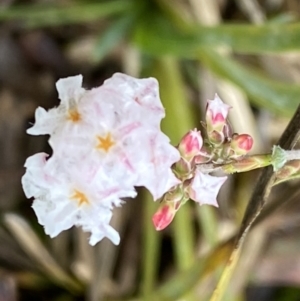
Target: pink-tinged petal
164,183
204,188
216,114
153,164
140,95
191,144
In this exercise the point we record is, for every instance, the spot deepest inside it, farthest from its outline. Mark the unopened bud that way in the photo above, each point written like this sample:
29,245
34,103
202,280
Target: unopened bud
165,214
190,144
216,114
241,144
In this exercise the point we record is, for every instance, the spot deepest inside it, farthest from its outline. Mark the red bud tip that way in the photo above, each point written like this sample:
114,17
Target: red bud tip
244,142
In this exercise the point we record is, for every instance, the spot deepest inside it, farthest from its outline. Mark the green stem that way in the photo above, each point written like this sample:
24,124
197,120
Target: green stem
256,204
151,244
248,163
208,223
175,125
43,15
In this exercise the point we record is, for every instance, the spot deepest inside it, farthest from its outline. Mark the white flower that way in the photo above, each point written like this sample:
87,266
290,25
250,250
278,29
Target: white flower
79,196
105,142
123,135
205,188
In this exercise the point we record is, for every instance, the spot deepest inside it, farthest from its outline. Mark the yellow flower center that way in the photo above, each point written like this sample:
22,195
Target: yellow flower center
105,143
74,115
80,197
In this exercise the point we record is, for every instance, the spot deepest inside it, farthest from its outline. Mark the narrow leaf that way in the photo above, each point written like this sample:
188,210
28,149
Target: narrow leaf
32,245
42,15
279,97
159,36
112,36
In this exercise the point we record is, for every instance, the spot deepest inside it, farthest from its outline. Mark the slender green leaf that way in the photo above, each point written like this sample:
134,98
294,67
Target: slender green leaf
32,245
279,97
113,36
182,283
158,36
42,15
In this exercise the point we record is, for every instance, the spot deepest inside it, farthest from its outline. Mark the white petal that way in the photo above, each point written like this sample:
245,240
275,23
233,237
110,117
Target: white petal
138,94
35,182
205,188
69,87
45,122
106,231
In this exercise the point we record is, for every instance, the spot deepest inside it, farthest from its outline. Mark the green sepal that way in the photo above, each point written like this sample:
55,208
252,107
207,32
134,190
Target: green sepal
278,157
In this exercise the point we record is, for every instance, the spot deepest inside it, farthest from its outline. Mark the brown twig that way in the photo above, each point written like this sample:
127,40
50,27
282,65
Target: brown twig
266,179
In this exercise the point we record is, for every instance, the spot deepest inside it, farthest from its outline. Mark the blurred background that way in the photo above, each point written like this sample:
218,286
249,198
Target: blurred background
247,51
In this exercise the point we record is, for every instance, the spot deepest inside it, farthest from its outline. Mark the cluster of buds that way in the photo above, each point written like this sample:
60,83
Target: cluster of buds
105,142
202,153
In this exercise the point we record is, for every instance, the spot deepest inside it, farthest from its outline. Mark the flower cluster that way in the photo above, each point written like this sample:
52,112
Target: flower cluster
105,142
202,153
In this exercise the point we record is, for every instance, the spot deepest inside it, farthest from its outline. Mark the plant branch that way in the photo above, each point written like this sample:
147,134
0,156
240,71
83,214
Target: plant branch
256,204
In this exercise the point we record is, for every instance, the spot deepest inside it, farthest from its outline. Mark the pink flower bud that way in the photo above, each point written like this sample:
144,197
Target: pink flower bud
165,214
190,144
216,114
241,144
